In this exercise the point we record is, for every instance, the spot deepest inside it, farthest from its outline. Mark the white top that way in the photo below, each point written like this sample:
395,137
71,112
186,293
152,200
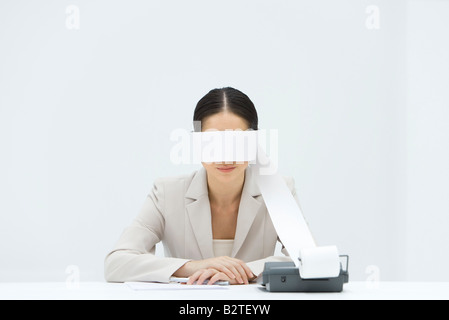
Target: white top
223,247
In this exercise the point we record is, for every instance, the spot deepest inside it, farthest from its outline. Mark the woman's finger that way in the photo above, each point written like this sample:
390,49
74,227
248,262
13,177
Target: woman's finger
223,267
242,273
227,266
238,270
245,267
220,276
237,275
248,271
207,274
194,277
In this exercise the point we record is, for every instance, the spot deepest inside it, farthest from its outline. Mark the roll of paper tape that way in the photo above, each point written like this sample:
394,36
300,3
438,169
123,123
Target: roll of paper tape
319,262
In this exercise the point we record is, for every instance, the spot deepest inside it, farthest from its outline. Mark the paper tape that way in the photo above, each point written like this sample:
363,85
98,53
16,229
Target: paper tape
319,262
285,213
225,146
292,229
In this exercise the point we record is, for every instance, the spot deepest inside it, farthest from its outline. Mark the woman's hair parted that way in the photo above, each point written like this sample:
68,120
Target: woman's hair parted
230,99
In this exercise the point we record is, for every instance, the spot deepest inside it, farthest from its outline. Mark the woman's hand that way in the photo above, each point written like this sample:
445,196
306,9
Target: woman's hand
213,275
228,269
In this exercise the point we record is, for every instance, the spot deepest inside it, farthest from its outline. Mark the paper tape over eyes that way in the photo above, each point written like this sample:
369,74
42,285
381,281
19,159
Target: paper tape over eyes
292,229
225,146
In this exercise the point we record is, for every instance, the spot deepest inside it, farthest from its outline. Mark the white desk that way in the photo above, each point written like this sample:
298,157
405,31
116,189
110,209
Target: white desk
103,290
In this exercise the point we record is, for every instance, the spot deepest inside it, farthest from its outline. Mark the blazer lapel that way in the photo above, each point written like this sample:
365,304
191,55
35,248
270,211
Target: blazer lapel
199,213
248,210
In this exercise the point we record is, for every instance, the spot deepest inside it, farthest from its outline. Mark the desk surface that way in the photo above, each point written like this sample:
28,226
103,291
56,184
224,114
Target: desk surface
120,291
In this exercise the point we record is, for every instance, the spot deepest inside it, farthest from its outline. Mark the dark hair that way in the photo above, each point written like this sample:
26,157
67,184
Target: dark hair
230,99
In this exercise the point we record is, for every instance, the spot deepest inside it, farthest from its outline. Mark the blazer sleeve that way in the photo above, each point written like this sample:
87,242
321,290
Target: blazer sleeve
132,258
258,265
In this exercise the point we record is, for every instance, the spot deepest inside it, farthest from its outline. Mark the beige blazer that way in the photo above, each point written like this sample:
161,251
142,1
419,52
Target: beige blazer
177,212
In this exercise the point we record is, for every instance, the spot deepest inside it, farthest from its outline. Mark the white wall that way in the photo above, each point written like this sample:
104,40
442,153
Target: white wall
85,118
428,140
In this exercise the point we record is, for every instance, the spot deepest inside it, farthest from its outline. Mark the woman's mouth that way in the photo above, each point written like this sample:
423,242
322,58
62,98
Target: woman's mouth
226,169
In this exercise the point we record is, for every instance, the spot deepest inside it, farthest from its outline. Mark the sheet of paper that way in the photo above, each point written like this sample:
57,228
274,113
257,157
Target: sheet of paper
142,286
185,280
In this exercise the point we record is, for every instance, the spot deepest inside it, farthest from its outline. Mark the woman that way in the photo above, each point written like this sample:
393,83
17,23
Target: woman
213,223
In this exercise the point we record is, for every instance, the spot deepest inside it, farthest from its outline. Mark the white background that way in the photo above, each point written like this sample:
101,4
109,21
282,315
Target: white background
362,114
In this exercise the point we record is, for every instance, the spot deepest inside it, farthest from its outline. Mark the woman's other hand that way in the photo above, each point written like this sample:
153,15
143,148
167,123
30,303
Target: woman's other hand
228,269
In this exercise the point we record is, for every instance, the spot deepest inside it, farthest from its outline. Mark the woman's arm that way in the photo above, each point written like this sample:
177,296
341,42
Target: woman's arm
132,258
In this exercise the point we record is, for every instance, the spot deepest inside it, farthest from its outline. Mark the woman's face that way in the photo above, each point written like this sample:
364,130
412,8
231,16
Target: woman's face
220,171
